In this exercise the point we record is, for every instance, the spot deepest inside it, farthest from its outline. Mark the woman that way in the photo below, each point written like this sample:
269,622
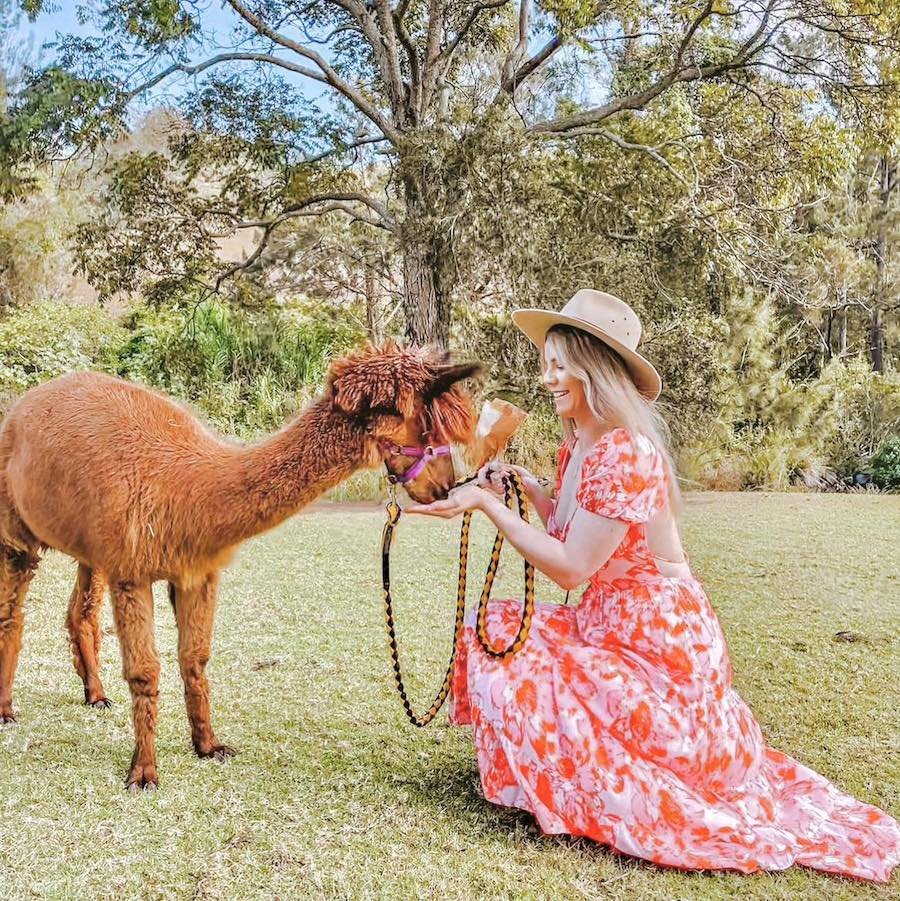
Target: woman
617,720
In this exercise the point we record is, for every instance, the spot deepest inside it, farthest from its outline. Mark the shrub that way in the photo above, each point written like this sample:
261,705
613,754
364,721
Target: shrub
247,371
44,340
885,465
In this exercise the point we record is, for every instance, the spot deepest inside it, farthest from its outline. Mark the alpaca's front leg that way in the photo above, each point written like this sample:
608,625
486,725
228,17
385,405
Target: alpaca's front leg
133,614
195,608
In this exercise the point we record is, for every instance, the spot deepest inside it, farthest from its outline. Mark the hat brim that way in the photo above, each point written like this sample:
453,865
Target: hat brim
536,323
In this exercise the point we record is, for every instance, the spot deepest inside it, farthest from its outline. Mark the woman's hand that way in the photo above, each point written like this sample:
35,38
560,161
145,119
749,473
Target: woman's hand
466,497
490,476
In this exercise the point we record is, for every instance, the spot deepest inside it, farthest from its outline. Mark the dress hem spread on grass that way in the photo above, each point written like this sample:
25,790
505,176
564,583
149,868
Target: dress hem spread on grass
618,721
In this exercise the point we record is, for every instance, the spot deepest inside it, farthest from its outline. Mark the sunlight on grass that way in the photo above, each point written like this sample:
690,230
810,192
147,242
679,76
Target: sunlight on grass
334,795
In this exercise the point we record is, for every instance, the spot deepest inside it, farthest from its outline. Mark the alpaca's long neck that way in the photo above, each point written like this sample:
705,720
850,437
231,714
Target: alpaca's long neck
270,481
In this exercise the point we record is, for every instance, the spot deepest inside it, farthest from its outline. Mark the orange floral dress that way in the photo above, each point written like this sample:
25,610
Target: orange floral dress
618,720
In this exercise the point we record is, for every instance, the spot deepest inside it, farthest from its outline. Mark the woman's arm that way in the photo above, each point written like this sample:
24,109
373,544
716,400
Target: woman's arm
590,542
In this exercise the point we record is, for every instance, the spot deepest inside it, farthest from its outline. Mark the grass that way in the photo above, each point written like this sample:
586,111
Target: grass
333,795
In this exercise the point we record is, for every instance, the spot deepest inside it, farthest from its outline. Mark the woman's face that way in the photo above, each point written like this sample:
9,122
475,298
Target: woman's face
567,391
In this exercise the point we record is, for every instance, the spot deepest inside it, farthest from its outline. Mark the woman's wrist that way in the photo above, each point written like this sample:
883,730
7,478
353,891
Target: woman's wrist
534,489
491,504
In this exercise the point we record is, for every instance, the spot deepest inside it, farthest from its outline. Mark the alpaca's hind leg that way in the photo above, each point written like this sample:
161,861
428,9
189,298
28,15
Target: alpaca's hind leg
83,625
133,614
16,570
195,608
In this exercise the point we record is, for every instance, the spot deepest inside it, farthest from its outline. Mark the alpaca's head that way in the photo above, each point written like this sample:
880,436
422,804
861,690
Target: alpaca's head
406,397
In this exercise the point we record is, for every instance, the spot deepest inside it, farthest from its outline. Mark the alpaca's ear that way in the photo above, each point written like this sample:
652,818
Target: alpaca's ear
446,376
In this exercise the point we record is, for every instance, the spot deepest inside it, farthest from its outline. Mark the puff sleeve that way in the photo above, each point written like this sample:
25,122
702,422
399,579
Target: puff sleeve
623,477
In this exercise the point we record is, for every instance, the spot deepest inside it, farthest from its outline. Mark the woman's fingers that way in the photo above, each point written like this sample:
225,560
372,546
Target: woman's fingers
490,477
447,508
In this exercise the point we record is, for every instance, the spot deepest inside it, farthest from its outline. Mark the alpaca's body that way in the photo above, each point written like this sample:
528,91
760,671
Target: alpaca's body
130,484
137,490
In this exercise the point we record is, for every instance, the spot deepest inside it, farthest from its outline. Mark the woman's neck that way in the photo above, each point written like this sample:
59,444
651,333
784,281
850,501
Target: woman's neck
589,429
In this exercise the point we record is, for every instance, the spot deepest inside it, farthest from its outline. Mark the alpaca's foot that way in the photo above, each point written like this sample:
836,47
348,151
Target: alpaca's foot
96,699
142,778
99,703
7,715
215,752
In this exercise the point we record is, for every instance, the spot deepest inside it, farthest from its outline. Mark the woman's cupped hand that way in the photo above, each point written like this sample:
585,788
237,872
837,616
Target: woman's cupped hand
473,495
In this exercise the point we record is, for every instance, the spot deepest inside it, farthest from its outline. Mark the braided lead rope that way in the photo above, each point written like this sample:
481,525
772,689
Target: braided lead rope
393,512
528,604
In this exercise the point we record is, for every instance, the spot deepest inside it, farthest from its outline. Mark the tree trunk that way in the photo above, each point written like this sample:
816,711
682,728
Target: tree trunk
373,314
876,320
426,304
842,334
426,309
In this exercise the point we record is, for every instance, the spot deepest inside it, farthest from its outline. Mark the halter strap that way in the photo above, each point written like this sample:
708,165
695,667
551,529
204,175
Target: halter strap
422,456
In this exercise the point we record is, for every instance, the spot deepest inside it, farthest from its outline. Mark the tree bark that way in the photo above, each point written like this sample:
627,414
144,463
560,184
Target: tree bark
426,309
876,319
373,314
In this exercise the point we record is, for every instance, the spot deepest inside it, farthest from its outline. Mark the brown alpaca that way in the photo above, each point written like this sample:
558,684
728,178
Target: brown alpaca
137,490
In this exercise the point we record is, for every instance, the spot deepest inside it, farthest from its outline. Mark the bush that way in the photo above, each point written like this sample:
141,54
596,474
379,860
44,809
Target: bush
864,409
885,465
44,340
247,371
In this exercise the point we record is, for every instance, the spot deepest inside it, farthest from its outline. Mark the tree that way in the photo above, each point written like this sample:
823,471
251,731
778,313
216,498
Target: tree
423,87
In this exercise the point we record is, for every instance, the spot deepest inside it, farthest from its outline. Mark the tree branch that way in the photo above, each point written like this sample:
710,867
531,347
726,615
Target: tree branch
224,58
349,91
382,43
626,145
448,51
352,146
532,64
678,74
518,51
412,57
330,203
392,55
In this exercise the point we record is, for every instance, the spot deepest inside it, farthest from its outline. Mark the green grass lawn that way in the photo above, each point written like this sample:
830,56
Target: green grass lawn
334,795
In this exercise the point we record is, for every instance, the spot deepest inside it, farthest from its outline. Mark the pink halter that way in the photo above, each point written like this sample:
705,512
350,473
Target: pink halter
422,455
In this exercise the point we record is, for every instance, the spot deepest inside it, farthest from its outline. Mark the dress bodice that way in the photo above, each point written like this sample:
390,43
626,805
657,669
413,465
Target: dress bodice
623,476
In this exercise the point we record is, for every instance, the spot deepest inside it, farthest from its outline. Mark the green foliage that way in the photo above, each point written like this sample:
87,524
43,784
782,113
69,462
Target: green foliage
775,431
44,340
863,413
246,371
885,465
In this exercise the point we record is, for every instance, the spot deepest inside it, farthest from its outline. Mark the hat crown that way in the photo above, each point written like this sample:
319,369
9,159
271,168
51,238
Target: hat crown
607,313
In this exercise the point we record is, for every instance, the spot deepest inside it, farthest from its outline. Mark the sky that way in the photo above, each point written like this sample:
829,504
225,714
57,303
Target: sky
218,22
61,17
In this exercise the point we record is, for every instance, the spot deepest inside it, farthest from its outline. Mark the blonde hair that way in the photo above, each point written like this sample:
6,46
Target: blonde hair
611,394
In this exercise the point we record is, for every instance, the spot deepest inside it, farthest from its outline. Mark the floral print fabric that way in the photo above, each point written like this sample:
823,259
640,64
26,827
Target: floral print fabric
618,721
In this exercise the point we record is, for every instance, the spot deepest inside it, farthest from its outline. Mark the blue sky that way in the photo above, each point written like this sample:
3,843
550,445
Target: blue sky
61,17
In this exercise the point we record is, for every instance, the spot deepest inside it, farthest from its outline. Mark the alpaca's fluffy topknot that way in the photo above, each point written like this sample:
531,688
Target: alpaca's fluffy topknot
387,379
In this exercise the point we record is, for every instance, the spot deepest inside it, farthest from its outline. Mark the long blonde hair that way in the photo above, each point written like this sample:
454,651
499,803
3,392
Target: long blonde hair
611,394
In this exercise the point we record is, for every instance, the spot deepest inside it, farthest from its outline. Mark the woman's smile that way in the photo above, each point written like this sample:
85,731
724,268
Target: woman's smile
566,390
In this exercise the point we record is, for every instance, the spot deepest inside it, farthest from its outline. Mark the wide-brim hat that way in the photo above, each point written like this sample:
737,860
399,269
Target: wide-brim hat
605,317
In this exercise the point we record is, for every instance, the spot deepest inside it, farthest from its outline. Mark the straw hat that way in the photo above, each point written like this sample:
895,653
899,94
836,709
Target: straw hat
605,317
